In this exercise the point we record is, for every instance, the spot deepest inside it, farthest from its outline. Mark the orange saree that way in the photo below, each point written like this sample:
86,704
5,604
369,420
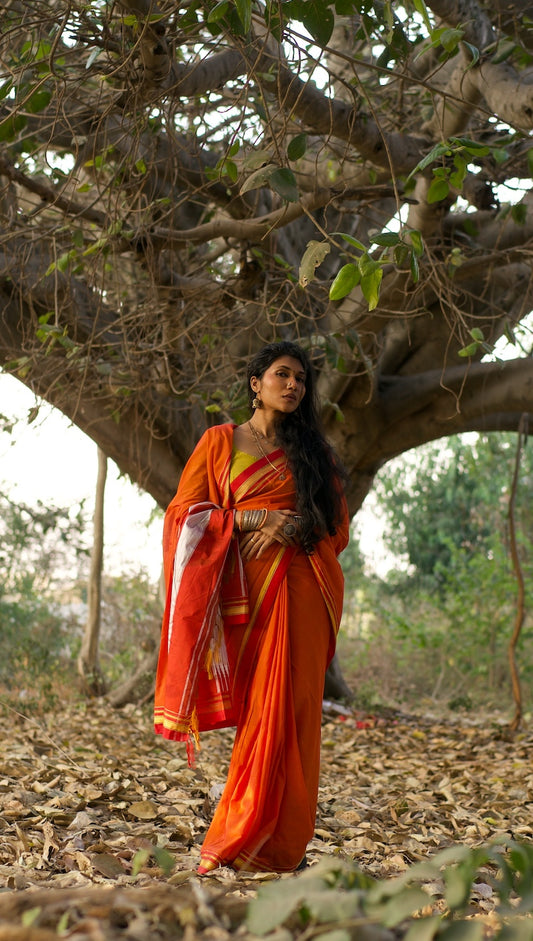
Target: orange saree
247,645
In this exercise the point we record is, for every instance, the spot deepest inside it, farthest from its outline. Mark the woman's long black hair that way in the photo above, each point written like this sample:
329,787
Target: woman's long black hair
317,473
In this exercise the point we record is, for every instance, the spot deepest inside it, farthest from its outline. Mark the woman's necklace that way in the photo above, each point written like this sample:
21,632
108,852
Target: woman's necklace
255,434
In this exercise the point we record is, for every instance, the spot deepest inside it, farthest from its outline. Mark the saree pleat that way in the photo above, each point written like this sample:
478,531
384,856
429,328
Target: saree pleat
276,659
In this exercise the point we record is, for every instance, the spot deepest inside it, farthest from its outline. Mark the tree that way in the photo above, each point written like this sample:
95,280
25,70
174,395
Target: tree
449,501
448,515
181,182
88,658
41,545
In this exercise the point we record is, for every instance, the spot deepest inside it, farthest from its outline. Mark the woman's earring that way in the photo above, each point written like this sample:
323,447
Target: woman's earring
256,403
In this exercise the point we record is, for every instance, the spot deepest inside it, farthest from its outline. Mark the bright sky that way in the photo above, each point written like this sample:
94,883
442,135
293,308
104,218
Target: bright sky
51,459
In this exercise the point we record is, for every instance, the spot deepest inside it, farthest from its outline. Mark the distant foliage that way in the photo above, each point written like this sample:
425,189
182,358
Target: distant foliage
451,497
42,548
39,545
439,624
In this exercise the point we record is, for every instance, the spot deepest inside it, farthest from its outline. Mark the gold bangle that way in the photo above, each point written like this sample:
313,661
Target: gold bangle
264,512
252,519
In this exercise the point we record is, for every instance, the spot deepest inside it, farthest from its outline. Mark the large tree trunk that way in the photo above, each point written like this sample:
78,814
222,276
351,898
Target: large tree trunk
335,686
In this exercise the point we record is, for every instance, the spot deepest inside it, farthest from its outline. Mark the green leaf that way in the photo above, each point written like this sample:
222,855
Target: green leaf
458,879
258,178
269,910
401,905
469,350
5,88
471,146
258,159
141,857
274,20
283,182
458,175
462,931
423,929
64,260
518,930
244,9
417,242
474,52
519,213
505,48
231,170
38,101
439,150
477,334
313,256
509,333
415,268
501,155
164,859
346,280
367,265
351,241
370,286
10,127
218,11
30,916
386,239
438,190
297,147
96,246
421,8
401,252
448,38
62,924
318,21
337,934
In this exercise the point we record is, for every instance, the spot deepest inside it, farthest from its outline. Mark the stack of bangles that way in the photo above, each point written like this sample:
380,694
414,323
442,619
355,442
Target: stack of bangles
252,519
255,519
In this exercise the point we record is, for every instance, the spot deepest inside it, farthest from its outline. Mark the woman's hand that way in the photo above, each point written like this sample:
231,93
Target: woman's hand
254,543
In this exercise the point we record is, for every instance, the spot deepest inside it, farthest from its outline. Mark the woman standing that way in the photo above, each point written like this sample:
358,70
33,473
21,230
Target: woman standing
254,600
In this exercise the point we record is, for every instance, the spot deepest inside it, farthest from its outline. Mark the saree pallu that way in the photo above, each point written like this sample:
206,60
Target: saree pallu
261,665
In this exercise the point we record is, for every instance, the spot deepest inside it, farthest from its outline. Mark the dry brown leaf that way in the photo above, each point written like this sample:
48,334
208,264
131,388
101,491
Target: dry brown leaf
393,790
144,810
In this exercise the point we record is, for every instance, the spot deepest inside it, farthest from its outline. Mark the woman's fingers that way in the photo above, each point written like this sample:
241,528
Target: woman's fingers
277,523
280,526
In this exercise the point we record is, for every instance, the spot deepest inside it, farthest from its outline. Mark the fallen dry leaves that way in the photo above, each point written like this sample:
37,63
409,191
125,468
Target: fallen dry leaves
93,803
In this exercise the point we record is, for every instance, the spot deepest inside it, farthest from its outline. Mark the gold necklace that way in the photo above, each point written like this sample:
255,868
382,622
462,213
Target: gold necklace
255,435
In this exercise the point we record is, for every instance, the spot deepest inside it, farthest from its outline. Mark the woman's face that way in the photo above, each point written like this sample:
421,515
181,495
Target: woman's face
281,388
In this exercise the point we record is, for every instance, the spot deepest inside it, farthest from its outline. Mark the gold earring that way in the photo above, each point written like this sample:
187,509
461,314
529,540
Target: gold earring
256,403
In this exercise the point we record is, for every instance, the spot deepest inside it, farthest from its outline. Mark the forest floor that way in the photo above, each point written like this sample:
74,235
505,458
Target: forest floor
90,801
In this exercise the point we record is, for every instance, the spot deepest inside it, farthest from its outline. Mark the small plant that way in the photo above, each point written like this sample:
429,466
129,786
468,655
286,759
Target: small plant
335,901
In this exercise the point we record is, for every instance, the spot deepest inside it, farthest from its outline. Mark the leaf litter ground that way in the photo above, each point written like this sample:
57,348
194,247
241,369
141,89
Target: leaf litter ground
101,822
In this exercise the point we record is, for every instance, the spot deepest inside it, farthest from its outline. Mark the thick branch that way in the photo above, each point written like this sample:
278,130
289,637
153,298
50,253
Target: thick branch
257,228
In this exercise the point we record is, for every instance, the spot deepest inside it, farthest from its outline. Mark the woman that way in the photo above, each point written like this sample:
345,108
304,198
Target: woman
253,606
